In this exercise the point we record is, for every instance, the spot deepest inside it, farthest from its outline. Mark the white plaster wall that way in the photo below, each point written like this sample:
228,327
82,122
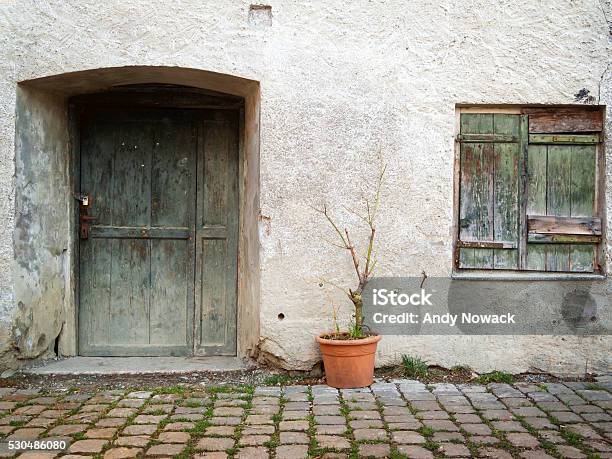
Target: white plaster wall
339,81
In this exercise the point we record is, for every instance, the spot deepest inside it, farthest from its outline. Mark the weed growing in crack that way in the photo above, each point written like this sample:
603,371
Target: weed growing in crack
414,367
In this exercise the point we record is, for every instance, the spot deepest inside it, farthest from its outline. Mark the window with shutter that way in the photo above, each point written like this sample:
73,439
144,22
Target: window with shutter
528,195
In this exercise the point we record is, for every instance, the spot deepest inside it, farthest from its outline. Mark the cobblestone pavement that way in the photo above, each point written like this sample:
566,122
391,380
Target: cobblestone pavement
403,418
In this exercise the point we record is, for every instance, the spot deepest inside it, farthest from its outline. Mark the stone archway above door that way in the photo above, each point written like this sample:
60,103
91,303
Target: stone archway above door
45,239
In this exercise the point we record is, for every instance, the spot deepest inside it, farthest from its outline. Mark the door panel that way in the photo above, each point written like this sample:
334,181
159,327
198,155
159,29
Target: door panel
217,236
160,264
137,266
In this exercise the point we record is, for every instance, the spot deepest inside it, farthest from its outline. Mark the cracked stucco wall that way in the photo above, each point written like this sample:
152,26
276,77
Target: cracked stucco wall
339,82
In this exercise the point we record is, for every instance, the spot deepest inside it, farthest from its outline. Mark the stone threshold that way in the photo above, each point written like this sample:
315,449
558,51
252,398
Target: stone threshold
136,365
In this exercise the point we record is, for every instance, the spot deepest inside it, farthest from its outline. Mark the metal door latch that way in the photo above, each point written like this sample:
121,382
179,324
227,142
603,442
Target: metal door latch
84,218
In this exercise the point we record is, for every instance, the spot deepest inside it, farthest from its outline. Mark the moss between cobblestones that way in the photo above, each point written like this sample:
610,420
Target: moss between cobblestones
593,386
545,444
177,390
282,380
314,449
196,432
571,437
395,454
348,433
248,399
274,441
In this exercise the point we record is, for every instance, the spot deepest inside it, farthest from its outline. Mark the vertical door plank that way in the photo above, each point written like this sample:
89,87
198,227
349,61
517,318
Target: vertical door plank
98,146
95,293
95,273
131,175
171,273
131,178
129,318
216,180
558,201
583,169
214,294
172,205
536,200
217,237
173,168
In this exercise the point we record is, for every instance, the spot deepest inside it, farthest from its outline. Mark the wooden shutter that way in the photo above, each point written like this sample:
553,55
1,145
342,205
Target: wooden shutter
528,190
563,227
489,169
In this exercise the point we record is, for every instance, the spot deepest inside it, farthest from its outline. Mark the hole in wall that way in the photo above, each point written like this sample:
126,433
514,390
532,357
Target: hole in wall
281,316
260,15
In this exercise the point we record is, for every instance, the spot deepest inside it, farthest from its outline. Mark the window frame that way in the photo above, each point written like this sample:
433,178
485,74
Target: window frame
599,271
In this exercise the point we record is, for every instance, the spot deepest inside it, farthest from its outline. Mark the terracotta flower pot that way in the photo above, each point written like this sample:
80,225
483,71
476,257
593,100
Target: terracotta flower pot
349,363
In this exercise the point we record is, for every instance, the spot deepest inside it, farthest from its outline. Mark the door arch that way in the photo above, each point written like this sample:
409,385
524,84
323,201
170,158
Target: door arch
43,116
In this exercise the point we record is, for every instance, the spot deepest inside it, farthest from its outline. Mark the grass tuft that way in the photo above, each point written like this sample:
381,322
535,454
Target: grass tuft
495,377
414,367
572,438
426,431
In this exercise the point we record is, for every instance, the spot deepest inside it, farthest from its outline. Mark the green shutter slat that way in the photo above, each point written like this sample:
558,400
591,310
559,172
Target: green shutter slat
506,203
489,190
582,196
558,201
536,200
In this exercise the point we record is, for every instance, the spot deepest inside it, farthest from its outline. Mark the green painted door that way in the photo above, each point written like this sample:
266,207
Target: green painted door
163,190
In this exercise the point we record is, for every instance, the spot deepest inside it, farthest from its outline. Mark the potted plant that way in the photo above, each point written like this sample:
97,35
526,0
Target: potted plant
349,356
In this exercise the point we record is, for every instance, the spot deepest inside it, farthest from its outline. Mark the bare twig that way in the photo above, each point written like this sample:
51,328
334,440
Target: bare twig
357,214
367,272
363,276
322,280
354,256
328,217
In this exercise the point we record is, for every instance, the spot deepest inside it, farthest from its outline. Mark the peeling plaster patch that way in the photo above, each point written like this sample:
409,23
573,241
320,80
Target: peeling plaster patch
260,16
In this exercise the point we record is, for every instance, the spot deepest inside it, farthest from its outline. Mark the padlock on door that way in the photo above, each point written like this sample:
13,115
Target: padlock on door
84,217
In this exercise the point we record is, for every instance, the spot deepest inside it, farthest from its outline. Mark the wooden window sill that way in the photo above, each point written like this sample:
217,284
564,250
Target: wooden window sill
486,275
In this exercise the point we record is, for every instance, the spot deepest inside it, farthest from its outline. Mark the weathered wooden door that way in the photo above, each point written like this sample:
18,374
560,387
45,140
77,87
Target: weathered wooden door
162,185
